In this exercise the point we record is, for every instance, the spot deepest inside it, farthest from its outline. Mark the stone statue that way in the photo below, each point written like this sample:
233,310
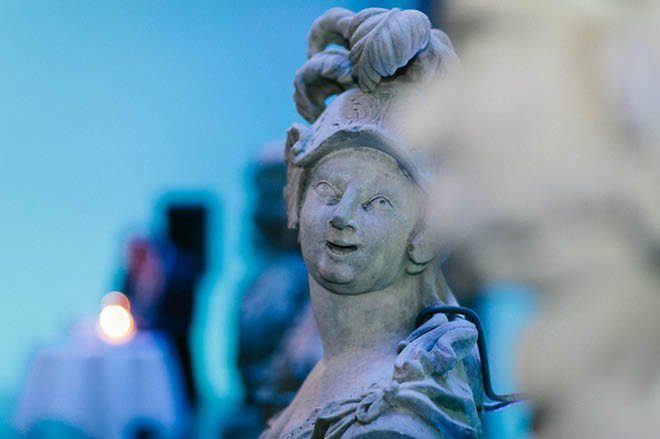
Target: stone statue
357,194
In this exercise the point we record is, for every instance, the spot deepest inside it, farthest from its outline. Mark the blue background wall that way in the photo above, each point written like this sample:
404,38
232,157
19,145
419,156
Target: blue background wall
106,105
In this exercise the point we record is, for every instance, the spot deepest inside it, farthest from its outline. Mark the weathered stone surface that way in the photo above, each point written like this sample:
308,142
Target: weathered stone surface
357,194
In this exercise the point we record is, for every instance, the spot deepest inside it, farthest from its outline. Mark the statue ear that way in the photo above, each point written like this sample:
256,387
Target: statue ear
424,246
294,146
296,141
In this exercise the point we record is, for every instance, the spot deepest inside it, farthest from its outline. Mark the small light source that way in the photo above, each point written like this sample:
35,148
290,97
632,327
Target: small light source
115,320
116,298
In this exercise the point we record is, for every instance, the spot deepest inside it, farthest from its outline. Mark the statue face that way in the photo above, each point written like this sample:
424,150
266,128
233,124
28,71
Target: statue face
358,214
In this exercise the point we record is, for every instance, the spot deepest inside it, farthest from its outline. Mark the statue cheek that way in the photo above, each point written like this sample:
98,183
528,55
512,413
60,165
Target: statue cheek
316,210
394,243
388,230
312,219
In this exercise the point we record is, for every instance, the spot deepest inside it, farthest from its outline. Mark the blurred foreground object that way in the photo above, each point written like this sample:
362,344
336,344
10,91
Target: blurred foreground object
551,176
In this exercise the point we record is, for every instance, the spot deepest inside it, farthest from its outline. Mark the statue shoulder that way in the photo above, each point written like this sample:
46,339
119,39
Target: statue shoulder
434,391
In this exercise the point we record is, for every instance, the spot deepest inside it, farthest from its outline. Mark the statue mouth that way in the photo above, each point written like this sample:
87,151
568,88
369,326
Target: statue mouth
340,249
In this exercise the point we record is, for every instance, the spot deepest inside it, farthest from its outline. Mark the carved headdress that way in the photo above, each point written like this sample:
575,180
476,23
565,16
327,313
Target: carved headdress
380,52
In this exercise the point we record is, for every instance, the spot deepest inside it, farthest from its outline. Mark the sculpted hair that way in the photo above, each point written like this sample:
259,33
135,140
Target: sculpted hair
374,45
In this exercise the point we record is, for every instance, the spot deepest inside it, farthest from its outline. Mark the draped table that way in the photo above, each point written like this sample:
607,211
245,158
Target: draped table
104,390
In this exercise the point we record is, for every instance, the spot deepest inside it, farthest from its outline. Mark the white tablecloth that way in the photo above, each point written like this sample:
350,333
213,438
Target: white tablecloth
104,390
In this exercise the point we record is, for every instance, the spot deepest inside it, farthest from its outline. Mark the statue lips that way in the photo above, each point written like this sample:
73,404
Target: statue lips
340,247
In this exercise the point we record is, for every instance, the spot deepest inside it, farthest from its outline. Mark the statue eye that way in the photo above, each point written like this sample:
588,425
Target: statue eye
325,190
379,202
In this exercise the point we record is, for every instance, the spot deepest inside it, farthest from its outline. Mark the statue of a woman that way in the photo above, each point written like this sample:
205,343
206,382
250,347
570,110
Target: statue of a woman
357,194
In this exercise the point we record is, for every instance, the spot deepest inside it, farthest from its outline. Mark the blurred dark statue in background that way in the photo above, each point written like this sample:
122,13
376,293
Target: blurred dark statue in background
357,193
279,343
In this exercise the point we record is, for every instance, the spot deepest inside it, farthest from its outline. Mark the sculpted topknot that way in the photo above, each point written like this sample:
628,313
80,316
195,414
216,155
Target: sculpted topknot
375,45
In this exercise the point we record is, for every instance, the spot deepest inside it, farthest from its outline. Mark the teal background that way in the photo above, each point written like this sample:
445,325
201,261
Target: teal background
104,107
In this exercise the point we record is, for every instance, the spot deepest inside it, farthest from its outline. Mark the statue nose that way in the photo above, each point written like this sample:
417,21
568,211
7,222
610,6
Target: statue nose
344,215
341,222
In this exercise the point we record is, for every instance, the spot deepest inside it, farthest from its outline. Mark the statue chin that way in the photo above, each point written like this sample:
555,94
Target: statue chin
336,284
342,286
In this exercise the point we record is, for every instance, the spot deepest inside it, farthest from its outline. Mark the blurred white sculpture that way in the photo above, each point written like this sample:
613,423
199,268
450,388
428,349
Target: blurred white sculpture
550,137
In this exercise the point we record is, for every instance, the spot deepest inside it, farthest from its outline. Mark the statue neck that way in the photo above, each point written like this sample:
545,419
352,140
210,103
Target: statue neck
376,321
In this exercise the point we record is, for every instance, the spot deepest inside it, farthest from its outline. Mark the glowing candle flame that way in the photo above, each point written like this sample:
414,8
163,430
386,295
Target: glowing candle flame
115,320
